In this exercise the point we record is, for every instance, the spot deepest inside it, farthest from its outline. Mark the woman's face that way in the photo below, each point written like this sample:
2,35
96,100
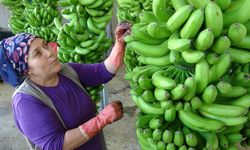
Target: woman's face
42,59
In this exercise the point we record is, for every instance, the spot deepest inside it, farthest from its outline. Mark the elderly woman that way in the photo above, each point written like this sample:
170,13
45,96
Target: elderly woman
50,106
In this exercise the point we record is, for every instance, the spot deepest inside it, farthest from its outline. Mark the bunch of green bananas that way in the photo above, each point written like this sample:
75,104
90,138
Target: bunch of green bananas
16,20
41,15
39,18
154,133
128,10
95,93
81,33
83,38
193,66
130,60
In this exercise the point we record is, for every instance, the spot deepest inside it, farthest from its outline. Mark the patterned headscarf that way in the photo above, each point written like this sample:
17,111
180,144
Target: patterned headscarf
16,49
14,57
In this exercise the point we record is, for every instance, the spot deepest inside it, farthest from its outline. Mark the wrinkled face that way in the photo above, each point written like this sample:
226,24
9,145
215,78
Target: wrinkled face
42,60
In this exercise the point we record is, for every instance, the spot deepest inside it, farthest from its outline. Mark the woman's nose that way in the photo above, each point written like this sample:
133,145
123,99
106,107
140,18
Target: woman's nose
49,52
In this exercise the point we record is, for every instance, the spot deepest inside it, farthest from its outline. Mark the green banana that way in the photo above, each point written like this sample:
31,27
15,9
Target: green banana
161,145
239,55
160,10
179,17
198,123
147,132
228,121
237,32
87,43
236,91
223,4
86,2
236,12
204,40
149,50
191,139
157,134
139,33
221,44
192,56
156,122
178,138
196,103
198,4
222,140
58,23
92,27
158,30
190,83
193,24
174,56
232,129
212,141
241,79
162,81
178,92
220,68
170,114
179,44
212,58
243,101
141,138
214,18
209,95
105,18
82,51
157,61
147,70
147,17
152,143
149,108
96,4
107,4
148,96
143,121
244,43
223,110
166,104
224,87
171,146
161,94
145,83
177,4
168,136
178,106
201,75
234,138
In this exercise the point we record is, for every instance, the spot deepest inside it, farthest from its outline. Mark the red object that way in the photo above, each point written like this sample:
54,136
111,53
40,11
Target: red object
54,46
108,115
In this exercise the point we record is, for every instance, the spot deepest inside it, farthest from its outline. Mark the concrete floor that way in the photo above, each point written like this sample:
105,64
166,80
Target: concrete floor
119,135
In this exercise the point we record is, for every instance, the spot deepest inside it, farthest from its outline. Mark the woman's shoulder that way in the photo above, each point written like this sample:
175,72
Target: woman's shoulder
24,100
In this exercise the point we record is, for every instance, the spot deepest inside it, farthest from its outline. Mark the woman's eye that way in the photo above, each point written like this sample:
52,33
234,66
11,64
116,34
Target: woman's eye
37,53
45,45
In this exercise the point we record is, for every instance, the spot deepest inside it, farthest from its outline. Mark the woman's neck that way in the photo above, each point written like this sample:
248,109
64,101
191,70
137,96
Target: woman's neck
47,82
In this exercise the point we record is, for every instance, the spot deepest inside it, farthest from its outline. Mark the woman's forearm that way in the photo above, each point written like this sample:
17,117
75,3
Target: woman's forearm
73,139
115,59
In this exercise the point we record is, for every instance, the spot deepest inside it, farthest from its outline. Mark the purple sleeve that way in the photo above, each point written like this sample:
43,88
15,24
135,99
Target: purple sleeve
38,122
92,74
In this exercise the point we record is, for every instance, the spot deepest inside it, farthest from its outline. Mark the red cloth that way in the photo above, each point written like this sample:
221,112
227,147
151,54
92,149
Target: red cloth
54,46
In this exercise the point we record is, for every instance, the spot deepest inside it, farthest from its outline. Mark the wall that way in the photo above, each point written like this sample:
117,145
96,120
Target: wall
4,15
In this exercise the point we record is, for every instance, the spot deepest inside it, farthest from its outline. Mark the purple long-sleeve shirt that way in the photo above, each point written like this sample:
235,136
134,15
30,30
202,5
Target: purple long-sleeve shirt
40,123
